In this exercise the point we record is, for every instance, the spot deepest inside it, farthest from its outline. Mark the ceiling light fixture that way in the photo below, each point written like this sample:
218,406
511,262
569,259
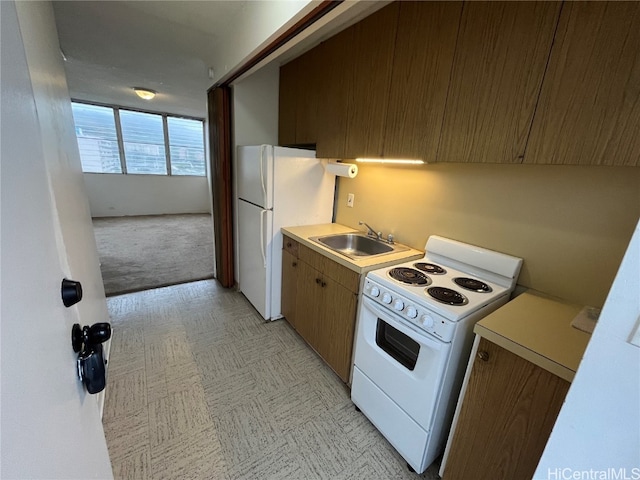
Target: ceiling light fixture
390,160
145,93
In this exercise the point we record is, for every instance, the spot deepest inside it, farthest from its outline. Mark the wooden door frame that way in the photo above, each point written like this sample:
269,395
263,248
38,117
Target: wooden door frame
220,131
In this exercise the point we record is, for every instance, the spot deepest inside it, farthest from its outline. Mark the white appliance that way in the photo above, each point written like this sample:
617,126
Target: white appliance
276,187
414,336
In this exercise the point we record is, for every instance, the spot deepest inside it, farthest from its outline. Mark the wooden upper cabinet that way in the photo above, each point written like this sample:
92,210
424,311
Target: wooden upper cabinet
424,52
589,109
501,55
373,48
310,79
300,82
336,58
287,104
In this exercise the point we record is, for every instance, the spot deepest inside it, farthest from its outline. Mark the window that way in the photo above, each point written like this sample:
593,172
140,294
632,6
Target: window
97,138
186,146
143,140
115,140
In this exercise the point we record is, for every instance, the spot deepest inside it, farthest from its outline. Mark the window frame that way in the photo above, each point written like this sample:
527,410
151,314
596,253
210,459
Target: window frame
165,128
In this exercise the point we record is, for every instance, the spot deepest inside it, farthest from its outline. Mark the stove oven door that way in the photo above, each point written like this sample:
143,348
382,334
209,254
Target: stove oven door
406,364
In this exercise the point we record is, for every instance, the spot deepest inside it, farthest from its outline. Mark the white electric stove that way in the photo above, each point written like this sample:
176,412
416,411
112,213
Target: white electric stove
415,329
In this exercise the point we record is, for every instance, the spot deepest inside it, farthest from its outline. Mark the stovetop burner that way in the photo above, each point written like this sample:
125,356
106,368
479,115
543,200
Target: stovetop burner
473,285
448,296
431,268
409,276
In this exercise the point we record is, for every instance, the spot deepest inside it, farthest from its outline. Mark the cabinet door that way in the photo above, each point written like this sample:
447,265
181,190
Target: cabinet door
310,77
589,109
501,55
299,90
336,59
287,103
289,287
423,58
507,414
335,336
309,303
373,46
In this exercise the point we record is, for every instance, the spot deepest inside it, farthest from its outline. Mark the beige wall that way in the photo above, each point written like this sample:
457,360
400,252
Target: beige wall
570,224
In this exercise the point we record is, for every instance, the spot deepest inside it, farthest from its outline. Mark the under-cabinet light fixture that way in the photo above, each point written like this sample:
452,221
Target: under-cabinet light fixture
390,160
145,93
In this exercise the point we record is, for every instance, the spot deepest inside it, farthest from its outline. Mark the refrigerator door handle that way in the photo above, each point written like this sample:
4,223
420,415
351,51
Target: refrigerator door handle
264,188
262,249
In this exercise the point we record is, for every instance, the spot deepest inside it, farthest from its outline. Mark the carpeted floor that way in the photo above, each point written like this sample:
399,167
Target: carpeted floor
138,253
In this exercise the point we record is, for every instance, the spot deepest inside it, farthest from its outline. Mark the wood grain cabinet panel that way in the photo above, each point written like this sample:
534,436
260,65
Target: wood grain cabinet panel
424,51
319,299
341,274
299,89
373,48
289,287
310,78
290,245
311,257
335,57
287,103
589,109
508,411
309,303
501,55
335,339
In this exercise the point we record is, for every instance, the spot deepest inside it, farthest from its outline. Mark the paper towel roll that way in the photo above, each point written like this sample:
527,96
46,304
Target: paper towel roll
342,169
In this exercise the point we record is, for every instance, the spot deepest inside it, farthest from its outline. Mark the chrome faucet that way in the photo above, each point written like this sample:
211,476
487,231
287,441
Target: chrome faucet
371,232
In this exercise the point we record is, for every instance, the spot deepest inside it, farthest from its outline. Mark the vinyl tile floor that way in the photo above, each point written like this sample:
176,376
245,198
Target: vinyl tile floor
200,387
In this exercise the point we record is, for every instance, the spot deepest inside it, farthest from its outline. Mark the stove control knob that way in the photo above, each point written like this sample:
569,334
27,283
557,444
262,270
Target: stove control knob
427,320
386,298
398,305
375,291
412,312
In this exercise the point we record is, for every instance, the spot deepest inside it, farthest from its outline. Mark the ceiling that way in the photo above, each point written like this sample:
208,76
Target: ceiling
111,46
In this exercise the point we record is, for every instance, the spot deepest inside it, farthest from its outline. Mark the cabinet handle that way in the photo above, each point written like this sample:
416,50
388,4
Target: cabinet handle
484,356
323,284
318,281
294,264
289,244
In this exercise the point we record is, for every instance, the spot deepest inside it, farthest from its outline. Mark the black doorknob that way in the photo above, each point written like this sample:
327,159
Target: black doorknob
71,292
89,335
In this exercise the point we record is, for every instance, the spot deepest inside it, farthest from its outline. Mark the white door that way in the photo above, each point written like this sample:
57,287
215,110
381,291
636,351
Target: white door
254,233
50,426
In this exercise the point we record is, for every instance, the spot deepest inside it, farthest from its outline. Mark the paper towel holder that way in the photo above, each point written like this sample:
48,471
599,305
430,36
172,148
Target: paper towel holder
341,169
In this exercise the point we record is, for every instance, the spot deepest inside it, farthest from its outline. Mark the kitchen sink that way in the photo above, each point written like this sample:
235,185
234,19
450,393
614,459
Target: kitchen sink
357,245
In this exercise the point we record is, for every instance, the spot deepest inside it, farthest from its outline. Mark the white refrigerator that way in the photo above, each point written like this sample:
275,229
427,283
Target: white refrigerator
276,187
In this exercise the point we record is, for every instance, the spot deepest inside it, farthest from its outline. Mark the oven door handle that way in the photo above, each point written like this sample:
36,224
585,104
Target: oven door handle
385,316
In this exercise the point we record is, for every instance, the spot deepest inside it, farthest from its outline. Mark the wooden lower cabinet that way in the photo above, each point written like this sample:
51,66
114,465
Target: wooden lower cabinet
289,287
319,299
309,303
336,326
509,408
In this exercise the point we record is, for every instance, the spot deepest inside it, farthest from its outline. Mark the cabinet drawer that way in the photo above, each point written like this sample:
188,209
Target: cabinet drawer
345,277
312,258
290,245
